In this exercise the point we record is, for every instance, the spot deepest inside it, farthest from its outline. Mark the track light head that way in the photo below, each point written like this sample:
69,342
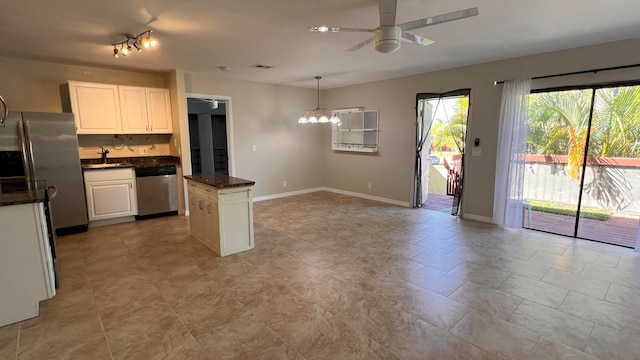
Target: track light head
115,52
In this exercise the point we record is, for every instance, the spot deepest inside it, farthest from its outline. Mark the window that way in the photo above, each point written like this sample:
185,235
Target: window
358,131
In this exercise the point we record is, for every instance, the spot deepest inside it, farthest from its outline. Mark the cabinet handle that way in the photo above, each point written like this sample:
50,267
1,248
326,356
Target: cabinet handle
209,209
130,186
193,200
150,127
200,205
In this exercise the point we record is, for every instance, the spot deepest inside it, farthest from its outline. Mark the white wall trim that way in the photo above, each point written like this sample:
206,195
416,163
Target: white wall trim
369,197
479,218
287,194
337,191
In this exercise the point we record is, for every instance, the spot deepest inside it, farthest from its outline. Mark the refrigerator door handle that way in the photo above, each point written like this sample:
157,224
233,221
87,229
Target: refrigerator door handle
52,192
29,146
25,151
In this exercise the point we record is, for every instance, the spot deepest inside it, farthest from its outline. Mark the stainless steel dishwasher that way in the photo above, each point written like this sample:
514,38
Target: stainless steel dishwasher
157,191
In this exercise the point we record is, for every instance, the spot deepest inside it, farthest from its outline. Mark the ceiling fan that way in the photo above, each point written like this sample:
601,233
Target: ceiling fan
388,35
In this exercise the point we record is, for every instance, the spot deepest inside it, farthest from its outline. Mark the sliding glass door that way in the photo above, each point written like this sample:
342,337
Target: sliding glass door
609,210
583,169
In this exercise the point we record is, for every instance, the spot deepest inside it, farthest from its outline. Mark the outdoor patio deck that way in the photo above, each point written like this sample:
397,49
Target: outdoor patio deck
617,230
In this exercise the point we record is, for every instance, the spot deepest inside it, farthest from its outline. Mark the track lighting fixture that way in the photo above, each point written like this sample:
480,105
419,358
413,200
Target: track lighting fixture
144,39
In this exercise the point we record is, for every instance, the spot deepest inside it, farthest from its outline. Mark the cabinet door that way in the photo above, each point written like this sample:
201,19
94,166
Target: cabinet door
110,199
133,107
96,108
212,225
159,111
196,205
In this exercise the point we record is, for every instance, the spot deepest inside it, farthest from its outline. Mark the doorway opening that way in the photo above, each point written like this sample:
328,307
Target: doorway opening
583,163
209,134
441,133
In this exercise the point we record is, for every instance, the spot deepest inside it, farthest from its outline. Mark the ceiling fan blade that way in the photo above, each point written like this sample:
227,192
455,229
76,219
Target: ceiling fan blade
361,45
439,19
323,28
416,39
387,9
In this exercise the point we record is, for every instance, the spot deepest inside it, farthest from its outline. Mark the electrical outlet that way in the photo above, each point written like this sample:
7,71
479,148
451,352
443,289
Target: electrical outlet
254,148
369,185
284,183
143,150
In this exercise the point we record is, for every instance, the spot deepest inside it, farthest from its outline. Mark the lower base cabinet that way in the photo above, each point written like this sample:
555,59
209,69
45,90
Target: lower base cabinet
222,219
26,263
111,194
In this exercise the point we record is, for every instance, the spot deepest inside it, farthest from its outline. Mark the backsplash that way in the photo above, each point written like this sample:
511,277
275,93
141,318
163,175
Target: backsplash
124,145
138,161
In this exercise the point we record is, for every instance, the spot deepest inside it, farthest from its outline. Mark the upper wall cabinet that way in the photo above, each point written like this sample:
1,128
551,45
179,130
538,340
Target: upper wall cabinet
145,110
96,108
358,131
113,109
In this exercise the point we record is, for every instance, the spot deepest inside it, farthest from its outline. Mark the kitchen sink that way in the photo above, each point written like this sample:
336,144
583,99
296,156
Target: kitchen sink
107,166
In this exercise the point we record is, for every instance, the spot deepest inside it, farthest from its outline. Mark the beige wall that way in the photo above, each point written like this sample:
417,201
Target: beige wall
29,85
265,115
391,170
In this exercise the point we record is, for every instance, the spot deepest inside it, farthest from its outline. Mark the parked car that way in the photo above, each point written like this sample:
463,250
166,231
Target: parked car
434,159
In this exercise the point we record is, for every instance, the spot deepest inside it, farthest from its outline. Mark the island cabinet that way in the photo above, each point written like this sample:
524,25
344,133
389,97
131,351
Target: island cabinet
221,212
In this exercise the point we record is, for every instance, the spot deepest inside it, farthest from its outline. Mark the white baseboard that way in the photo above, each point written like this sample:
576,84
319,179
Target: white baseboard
337,191
369,197
287,194
479,218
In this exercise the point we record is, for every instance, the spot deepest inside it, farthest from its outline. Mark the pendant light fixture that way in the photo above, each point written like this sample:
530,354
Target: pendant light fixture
319,115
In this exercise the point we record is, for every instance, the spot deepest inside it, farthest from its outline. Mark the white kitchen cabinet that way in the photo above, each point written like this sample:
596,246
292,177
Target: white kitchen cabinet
96,108
111,194
222,219
26,265
159,110
145,110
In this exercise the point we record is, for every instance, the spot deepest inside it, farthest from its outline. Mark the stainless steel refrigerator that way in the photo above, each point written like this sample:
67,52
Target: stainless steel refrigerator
44,146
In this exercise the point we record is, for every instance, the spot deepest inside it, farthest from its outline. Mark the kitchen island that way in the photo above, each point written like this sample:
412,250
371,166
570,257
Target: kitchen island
26,262
221,212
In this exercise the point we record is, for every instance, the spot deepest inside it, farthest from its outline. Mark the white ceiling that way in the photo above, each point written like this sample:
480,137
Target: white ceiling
199,36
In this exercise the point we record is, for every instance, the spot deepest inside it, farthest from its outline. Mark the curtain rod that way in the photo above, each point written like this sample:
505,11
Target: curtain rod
577,72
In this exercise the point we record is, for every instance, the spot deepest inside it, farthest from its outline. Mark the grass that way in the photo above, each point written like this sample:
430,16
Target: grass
566,209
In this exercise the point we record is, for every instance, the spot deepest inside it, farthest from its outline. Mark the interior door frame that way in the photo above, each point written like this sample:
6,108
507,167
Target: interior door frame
229,124
424,96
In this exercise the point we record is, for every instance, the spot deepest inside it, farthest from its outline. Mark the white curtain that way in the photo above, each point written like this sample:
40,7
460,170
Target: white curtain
512,148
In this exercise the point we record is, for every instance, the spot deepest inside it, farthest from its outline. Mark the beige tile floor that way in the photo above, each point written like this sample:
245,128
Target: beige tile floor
336,277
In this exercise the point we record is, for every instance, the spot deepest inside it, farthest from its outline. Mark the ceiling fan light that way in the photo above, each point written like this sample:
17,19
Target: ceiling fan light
387,39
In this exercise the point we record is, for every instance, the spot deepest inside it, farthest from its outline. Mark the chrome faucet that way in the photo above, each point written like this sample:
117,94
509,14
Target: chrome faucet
103,152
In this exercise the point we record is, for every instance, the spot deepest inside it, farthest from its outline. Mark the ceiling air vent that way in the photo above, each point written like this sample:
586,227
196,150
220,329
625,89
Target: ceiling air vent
262,66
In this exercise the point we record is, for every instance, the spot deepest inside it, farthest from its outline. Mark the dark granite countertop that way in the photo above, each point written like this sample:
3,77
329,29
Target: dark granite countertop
14,192
219,181
136,161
